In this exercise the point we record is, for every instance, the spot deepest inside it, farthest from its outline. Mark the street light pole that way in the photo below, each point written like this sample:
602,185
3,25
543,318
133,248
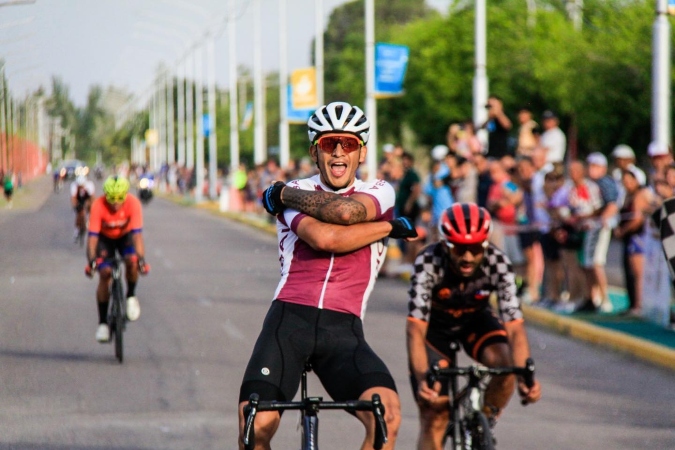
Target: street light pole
284,139
661,94
260,125
199,120
213,149
480,80
371,102
232,64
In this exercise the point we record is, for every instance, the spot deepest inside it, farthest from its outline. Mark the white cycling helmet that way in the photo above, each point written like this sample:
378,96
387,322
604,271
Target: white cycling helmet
338,117
80,180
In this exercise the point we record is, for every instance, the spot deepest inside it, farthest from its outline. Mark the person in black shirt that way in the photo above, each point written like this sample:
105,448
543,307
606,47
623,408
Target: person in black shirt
498,126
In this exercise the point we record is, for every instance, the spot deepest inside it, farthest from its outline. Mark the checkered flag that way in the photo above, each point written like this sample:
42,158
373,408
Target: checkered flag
667,227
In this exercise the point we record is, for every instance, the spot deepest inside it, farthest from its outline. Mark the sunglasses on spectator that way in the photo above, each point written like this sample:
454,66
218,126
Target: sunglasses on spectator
328,143
115,198
461,249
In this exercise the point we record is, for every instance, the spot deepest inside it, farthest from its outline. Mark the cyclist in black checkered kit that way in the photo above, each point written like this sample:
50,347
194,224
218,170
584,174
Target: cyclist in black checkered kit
450,290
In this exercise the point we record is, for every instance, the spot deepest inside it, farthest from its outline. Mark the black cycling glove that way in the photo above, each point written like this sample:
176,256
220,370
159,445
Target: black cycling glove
271,198
402,228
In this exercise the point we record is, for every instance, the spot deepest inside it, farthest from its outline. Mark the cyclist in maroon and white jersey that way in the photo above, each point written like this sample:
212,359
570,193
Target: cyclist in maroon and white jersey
450,291
332,230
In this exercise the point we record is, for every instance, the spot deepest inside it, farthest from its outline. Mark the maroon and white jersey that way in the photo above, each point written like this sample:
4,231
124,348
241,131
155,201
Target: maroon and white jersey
336,281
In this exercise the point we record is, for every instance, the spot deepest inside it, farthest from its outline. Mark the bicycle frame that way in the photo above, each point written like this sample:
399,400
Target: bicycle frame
309,408
466,406
117,313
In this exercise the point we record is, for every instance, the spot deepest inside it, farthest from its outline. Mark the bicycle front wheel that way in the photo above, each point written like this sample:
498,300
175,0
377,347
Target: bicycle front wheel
480,433
118,318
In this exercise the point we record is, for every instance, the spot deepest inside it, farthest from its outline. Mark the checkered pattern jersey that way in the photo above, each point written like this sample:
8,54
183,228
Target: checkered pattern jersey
667,227
494,275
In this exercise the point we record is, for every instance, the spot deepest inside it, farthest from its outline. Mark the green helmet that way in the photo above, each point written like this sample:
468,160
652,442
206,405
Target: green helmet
115,189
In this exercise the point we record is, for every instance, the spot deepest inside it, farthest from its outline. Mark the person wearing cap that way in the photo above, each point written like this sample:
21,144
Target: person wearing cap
623,156
585,203
528,133
630,230
498,126
553,138
600,237
437,187
384,170
660,157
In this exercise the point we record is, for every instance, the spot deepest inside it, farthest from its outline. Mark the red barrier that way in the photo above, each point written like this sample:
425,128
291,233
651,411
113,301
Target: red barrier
22,156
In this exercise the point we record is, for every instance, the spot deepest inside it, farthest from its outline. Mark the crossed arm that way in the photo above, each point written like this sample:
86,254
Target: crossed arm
329,207
336,224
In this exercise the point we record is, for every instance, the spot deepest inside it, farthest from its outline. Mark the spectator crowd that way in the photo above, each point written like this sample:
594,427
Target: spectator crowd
554,213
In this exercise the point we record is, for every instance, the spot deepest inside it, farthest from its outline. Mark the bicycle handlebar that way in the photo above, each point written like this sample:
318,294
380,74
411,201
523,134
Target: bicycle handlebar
314,404
527,372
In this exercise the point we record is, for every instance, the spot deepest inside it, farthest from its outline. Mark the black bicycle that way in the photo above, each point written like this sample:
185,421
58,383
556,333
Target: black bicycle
469,428
309,408
117,314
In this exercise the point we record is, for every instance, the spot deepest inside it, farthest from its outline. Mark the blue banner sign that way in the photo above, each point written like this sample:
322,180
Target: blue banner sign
206,121
391,62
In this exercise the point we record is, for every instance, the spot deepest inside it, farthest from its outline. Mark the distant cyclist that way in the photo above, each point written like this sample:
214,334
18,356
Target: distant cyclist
450,293
81,196
115,225
332,230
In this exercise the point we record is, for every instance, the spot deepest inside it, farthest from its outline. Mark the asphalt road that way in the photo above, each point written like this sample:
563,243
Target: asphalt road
202,307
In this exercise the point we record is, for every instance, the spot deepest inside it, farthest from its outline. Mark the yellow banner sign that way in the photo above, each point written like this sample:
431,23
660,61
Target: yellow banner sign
303,82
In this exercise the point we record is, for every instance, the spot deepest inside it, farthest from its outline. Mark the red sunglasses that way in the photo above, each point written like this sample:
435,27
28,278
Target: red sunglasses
328,143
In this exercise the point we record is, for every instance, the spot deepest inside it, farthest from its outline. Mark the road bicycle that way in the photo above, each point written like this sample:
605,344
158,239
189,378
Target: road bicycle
309,408
82,224
469,428
117,314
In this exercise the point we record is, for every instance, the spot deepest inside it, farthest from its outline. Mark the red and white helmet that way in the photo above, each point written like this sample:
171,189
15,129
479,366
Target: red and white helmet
465,223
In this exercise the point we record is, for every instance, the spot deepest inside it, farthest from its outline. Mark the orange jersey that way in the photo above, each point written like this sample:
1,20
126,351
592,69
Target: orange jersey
115,224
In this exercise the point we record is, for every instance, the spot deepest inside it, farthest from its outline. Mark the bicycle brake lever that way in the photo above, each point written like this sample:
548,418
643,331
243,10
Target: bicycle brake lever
432,375
250,411
529,373
528,376
381,437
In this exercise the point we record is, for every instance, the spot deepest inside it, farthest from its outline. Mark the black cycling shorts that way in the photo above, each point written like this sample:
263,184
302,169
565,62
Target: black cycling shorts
478,331
107,247
333,342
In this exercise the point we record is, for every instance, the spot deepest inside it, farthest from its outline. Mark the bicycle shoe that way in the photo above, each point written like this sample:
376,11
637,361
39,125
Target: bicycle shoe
133,309
103,333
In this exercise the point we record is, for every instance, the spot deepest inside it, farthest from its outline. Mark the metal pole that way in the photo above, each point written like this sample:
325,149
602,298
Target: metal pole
318,50
189,118
170,145
260,126
180,103
371,102
232,66
199,112
661,131
162,118
211,98
284,138
480,80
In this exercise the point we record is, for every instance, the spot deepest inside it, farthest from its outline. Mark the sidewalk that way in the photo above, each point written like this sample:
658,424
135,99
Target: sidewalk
621,333
29,197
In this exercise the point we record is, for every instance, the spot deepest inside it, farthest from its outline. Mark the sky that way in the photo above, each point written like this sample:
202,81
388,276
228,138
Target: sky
123,42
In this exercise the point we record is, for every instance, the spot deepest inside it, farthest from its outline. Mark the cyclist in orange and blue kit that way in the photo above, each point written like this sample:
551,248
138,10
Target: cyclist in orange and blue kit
115,225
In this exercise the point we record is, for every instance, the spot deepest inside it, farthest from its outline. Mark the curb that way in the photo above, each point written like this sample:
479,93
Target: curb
623,343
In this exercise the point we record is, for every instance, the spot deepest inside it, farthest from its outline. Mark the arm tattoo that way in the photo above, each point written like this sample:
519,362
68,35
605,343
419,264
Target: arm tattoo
325,206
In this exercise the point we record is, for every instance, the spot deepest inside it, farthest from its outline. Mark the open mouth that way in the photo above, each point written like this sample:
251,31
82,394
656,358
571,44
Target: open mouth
338,169
466,267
